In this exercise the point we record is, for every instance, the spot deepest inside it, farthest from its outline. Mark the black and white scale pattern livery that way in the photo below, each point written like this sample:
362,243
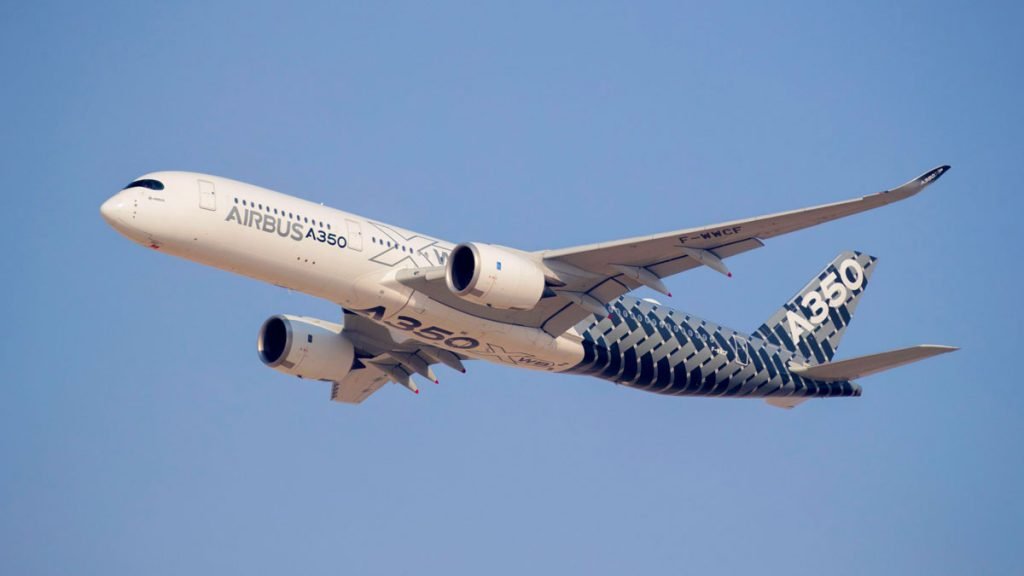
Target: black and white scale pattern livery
644,345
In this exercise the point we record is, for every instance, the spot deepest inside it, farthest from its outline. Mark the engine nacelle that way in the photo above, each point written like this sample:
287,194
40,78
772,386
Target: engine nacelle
494,276
305,347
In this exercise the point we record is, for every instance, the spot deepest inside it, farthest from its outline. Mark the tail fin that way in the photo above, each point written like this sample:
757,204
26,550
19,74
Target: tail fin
812,322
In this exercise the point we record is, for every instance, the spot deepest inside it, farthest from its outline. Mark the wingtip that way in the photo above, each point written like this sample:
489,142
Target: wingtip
933,174
914,186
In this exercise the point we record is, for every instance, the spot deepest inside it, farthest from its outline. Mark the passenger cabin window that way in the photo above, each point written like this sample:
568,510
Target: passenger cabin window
146,183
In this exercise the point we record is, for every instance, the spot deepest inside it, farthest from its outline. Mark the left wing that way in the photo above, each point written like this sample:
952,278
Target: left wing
582,279
381,359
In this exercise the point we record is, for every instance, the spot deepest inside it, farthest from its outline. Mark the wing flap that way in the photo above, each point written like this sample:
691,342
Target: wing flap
609,289
846,370
358,385
382,359
683,262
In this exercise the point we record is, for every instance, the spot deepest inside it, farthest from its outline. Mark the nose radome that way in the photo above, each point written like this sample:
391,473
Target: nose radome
111,209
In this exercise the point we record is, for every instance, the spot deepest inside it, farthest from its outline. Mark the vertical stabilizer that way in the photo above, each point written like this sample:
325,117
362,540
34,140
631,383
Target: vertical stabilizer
812,322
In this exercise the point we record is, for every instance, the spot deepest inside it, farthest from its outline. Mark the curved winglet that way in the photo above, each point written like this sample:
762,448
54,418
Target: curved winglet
917,184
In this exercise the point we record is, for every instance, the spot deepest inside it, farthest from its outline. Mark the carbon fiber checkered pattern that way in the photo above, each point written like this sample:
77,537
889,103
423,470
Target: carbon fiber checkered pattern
820,345
656,349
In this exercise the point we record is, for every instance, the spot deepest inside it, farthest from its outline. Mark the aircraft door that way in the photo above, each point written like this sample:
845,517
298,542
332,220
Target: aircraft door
207,195
355,235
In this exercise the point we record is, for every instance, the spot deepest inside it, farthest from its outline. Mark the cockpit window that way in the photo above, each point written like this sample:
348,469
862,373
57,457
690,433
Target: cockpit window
151,184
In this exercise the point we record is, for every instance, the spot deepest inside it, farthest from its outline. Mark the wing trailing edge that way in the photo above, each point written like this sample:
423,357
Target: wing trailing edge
380,359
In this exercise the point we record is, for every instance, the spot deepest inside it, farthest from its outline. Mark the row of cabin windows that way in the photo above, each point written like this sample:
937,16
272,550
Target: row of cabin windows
321,224
282,213
391,244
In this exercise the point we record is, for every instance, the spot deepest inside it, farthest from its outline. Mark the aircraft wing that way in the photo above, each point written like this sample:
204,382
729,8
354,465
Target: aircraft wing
592,275
381,359
659,251
621,266
358,385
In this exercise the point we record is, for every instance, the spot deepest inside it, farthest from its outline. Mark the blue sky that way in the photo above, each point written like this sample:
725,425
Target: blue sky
140,434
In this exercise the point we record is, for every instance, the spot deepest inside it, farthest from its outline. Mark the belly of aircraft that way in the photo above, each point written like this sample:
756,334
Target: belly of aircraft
428,321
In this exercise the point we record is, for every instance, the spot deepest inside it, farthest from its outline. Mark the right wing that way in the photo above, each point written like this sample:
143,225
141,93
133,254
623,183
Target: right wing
381,359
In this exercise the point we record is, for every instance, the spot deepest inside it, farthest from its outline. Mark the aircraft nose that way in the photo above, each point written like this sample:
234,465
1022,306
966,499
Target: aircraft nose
112,209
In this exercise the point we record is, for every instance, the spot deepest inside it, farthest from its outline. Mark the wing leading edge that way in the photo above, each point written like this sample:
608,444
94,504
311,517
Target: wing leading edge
670,253
592,275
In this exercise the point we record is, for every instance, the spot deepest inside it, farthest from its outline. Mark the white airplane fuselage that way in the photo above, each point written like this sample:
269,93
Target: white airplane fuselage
411,301
323,252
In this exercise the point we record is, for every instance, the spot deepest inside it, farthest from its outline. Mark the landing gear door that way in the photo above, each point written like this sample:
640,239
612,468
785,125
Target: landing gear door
207,195
355,235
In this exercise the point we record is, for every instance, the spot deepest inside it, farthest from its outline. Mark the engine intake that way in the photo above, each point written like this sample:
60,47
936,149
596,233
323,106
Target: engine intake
305,347
494,276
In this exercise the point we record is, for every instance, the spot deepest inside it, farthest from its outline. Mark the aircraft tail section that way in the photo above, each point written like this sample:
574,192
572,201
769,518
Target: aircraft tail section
812,323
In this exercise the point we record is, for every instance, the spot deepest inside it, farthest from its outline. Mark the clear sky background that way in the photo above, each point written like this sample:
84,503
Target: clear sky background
139,433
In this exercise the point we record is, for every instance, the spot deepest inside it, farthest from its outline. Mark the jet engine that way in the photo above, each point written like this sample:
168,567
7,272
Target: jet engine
305,347
494,276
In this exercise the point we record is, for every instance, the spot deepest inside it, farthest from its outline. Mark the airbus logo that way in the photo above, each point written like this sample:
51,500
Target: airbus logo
283,228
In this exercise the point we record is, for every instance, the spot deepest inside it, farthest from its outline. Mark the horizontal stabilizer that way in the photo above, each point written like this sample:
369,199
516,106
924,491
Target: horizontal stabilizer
846,370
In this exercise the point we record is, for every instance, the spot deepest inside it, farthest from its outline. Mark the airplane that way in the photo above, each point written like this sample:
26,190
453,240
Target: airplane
411,301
